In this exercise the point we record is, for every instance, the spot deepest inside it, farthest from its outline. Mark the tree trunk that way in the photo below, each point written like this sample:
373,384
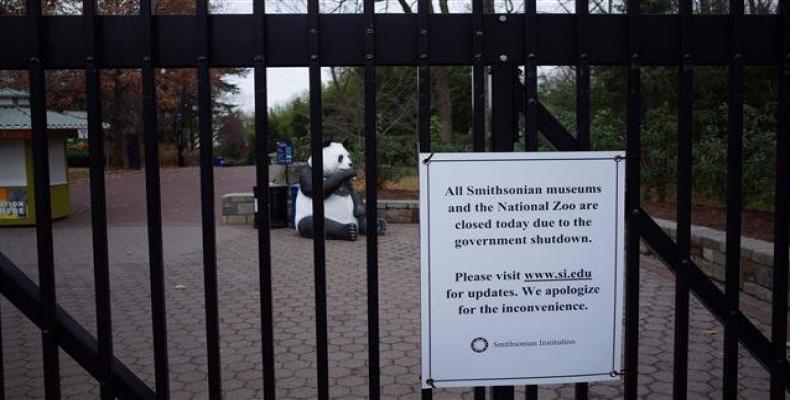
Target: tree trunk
444,105
117,147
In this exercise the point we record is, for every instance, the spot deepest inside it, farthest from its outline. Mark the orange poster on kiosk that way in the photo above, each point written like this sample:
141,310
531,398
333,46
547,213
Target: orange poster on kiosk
13,202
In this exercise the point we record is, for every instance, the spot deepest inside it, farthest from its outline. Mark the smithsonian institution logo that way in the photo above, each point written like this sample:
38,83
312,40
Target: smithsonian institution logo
479,344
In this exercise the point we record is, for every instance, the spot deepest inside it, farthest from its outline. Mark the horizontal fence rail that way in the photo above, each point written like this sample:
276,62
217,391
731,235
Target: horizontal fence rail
342,40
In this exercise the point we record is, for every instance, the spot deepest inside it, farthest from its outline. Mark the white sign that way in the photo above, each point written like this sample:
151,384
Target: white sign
522,267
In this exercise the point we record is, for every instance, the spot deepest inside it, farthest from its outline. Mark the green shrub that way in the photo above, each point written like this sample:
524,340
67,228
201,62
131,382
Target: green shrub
77,153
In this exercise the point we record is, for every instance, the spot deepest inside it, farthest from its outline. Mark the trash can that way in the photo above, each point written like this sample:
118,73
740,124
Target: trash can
294,193
278,206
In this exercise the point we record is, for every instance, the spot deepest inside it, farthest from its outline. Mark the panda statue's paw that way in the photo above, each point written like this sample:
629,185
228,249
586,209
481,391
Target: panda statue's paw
353,232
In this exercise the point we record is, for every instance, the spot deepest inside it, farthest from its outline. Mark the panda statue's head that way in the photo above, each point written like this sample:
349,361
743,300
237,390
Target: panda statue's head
335,156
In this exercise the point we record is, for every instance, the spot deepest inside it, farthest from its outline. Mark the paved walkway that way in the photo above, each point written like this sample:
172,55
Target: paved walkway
293,315
180,195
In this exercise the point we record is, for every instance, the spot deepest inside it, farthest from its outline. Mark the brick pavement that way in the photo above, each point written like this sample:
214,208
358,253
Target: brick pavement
293,307
294,328
180,195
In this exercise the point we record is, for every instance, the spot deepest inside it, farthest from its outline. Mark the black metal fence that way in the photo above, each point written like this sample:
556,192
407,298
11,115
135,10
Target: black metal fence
502,41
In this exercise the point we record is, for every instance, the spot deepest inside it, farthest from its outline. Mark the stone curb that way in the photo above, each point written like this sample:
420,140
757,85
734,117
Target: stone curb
709,252
238,209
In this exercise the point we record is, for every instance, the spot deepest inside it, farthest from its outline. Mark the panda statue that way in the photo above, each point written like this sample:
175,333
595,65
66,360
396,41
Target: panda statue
344,215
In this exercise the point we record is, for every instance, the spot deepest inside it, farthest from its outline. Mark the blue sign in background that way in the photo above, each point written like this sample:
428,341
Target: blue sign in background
285,152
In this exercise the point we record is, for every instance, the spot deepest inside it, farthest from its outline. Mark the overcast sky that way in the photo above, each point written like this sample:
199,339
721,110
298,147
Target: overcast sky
283,85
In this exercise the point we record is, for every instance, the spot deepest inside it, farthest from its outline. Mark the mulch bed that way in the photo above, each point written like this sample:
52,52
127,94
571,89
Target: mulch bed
756,224
398,194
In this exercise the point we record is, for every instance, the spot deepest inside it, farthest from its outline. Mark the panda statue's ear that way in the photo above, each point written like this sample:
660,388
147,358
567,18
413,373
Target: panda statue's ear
345,143
327,142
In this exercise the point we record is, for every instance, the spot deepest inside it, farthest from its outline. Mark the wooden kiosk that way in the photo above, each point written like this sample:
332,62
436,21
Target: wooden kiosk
17,202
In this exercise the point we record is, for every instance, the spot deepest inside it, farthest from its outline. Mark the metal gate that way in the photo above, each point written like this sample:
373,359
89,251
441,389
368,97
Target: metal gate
93,42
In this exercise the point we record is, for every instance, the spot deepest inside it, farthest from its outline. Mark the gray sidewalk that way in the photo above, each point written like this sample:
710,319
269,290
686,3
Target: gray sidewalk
293,290
293,316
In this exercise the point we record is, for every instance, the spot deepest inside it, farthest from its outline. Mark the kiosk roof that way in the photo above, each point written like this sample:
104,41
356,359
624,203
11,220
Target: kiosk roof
15,114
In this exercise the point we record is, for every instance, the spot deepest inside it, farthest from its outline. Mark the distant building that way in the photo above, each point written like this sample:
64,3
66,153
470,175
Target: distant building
17,197
82,133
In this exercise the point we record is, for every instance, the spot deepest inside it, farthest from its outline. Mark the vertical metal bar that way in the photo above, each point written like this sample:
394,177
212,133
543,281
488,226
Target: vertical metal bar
2,363
503,111
206,132
531,393
423,78
371,200
582,109
781,210
530,101
319,236
101,266
734,203
504,128
684,171
582,75
423,97
43,202
478,102
531,76
633,171
262,196
478,76
503,392
154,203
580,391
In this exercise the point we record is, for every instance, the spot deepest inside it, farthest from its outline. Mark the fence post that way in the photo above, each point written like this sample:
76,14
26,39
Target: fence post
504,132
504,126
